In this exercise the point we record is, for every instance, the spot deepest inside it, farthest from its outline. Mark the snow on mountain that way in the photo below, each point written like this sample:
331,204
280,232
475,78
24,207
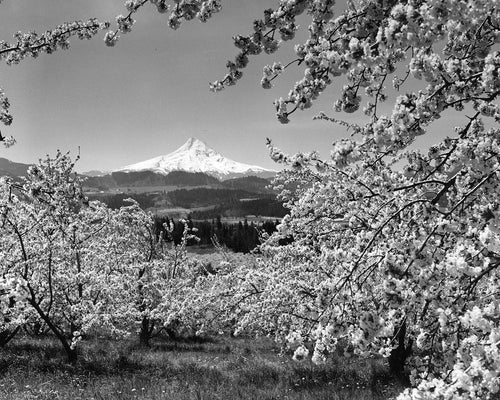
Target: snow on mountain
196,156
95,172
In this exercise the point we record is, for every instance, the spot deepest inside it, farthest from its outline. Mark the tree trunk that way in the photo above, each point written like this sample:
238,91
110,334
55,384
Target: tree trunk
72,355
145,333
7,336
400,354
70,352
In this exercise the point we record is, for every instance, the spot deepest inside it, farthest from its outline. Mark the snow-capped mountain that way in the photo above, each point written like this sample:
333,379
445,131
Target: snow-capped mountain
196,156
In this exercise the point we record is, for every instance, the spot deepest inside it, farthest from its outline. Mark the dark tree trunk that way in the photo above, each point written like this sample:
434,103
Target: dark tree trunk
145,333
7,336
400,354
66,343
72,355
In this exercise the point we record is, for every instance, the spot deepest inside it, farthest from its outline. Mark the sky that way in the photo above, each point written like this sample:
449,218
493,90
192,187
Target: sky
149,94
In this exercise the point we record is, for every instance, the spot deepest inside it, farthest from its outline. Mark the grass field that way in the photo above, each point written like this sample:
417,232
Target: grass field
225,369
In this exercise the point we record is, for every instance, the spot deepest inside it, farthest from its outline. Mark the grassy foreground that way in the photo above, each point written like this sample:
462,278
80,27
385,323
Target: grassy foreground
223,369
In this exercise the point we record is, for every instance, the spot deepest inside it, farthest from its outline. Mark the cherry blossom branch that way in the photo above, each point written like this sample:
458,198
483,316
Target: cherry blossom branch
473,190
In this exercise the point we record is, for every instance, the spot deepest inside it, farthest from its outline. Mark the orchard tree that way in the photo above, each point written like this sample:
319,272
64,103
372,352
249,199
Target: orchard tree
217,297
158,272
65,260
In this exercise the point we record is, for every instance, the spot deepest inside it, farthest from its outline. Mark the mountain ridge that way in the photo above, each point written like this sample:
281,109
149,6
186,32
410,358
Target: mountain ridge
12,168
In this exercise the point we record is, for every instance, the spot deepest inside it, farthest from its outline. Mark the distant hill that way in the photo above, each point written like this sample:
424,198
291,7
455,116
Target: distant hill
263,207
149,179
252,184
103,183
13,169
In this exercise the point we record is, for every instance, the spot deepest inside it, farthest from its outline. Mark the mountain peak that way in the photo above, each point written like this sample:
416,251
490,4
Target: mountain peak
193,143
196,156
196,149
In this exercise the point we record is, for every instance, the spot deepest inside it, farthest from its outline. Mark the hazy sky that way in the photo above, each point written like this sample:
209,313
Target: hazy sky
149,94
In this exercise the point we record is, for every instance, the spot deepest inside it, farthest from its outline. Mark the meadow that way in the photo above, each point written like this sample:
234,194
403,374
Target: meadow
222,368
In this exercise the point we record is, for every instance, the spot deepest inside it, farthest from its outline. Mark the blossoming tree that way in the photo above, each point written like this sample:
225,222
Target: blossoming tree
65,261
158,274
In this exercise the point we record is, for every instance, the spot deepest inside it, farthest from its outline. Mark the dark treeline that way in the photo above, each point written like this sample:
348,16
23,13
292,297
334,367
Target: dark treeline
242,237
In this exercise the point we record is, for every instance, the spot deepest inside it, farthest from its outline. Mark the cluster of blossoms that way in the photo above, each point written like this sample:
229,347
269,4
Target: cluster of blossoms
12,306
475,374
270,72
178,11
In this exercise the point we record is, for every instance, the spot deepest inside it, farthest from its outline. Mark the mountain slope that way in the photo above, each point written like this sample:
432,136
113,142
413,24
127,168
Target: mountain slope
11,168
93,173
196,156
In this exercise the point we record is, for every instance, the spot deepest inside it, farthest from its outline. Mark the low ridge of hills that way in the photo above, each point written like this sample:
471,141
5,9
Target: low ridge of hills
146,181
12,169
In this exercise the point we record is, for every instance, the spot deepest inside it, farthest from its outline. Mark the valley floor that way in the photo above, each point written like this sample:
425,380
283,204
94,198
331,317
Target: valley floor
224,369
